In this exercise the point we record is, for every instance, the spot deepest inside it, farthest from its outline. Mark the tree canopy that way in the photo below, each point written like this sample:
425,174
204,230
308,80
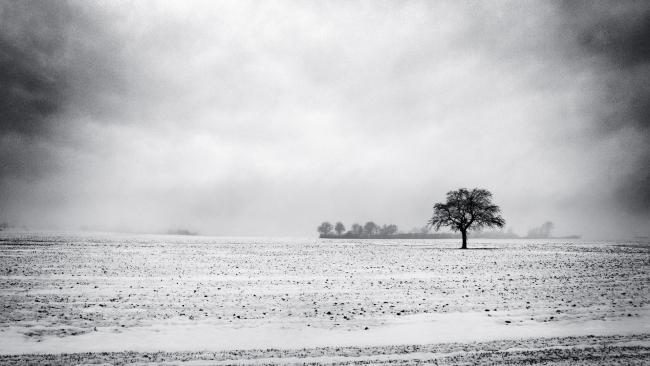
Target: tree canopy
325,228
466,210
339,228
370,228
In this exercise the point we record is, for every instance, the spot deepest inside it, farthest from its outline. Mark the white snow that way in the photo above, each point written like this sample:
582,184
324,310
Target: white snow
414,329
149,293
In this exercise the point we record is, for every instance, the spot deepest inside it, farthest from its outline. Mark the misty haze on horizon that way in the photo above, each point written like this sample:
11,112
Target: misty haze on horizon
267,118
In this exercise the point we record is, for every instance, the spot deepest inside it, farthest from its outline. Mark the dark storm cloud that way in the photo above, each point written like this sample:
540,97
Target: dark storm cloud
55,56
617,35
623,38
32,72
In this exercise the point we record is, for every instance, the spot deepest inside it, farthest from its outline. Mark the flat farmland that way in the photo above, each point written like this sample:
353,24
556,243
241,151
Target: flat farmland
69,298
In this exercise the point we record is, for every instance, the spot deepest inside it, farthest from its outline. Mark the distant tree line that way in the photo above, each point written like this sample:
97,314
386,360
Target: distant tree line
182,232
368,230
544,232
371,230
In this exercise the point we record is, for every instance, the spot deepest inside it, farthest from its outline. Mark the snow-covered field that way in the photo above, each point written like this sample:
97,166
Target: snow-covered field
70,298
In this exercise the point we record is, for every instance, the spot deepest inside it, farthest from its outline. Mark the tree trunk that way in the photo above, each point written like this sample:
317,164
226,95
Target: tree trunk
464,233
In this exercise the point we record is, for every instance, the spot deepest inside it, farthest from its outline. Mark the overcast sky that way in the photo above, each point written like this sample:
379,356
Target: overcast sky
266,118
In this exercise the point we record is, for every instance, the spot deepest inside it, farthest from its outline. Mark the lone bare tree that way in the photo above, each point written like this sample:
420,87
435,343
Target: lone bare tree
466,210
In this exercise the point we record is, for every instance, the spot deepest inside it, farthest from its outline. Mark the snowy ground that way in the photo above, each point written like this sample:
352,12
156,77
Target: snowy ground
72,298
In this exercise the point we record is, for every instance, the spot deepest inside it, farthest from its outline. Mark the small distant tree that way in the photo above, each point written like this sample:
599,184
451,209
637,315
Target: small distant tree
466,210
357,230
392,229
339,228
420,230
540,232
325,228
388,230
370,228
546,229
383,230
533,233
